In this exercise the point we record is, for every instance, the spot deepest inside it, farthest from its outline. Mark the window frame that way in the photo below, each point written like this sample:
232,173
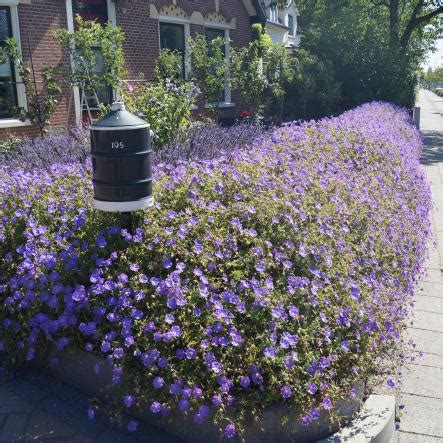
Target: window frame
273,12
187,33
70,22
185,46
227,103
11,122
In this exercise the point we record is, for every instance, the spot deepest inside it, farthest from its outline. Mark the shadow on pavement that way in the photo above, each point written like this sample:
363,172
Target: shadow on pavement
433,151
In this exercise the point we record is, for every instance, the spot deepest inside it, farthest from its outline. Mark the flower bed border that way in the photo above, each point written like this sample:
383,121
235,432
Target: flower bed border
79,369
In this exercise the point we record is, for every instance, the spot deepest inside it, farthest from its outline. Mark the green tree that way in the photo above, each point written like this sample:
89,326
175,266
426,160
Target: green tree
165,103
313,91
247,70
92,45
210,69
261,72
402,21
355,38
168,66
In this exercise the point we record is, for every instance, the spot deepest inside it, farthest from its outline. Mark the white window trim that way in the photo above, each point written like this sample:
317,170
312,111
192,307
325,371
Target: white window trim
228,93
187,31
70,20
273,13
21,92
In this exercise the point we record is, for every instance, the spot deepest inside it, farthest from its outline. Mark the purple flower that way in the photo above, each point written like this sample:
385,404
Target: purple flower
175,388
216,367
293,311
312,388
286,391
101,242
169,318
155,407
327,404
129,400
390,383
270,352
91,412
260,266
191,354
230,431
217,400
162,362
204,410
355,292
186,392
167,263
158,382
183,404
245,381
315,414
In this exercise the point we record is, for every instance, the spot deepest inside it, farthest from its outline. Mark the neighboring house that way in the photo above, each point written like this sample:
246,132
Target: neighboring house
148,25
281,23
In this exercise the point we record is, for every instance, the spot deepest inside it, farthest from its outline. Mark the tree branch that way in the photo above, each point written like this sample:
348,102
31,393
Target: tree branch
415,21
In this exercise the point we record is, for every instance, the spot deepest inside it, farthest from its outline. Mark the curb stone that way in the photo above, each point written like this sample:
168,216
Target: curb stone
375,423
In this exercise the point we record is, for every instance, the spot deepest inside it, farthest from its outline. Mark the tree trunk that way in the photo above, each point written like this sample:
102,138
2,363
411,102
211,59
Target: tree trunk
394,21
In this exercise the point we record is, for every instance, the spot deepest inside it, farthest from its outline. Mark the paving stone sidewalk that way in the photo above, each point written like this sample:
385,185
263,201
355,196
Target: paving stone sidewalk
422,389
37,408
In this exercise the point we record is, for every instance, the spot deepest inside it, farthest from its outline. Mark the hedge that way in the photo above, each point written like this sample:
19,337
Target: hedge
283,272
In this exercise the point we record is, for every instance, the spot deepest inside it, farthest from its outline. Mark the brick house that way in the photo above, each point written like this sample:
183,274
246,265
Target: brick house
148,25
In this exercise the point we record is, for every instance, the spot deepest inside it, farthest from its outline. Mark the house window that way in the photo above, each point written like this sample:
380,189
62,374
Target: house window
211,34
94,10
8,88
172,37
91,10
273,12
291,25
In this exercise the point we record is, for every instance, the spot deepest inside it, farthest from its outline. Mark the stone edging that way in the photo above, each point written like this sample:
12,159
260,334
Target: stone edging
375,423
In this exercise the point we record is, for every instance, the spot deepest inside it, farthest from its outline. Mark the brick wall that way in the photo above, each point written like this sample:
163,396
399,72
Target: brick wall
41,18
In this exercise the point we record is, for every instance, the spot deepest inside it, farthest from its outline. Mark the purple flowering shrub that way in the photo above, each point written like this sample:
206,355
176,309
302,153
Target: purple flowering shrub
209,141
43,153
201,142
285,275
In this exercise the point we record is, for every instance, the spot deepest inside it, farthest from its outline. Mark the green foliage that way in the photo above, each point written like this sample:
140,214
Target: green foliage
166,106
313,91
433,77
279,72
41,102
261,72
354,42
10,144
210,69
168,65
97,55
248,76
